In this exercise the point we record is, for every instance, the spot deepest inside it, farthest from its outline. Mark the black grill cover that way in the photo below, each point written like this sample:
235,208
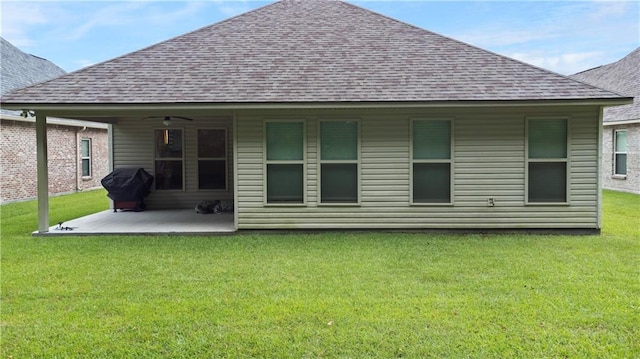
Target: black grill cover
128,184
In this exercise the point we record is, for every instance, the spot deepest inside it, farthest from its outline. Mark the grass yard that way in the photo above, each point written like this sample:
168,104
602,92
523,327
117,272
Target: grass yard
331,295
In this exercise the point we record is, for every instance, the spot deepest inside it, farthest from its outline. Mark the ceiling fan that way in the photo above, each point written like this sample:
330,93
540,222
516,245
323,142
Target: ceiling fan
166,120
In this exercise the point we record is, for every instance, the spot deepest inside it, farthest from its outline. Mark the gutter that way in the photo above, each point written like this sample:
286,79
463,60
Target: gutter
57,121
623,122
109,108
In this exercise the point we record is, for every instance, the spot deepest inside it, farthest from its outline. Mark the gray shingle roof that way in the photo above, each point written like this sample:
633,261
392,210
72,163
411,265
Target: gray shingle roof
622,76
307,51
18,69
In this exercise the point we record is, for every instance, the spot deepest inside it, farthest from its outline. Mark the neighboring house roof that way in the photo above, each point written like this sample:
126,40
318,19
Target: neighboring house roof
296,51
622,76
19,69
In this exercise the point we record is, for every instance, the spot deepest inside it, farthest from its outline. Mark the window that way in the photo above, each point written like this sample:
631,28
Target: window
285,156
169,159
620,153
547,158
85,156
212,159
431,161
339,148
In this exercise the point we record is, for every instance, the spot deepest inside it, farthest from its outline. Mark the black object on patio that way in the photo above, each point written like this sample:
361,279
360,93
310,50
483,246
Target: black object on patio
128,187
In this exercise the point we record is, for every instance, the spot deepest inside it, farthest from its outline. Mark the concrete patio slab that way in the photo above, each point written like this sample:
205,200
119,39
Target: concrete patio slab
175,222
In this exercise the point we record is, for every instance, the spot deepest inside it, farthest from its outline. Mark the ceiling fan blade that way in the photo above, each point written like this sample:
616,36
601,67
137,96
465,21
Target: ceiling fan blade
169,117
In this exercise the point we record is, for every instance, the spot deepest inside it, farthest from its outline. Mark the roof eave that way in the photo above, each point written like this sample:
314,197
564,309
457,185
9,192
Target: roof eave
622,122
154,107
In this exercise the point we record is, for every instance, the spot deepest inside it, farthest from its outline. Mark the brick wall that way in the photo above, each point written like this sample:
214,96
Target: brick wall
630,183
18,159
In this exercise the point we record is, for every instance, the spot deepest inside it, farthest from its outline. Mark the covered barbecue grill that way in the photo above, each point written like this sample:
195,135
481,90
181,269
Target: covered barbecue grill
128,187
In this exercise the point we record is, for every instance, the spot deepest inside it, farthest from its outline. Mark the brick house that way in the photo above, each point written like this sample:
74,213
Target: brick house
621,132
78,150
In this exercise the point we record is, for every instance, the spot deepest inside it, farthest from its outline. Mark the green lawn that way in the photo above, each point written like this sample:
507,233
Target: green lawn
331,295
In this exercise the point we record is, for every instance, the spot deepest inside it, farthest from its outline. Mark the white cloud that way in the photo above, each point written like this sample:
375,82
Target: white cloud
565,37
565,63
113,15
18,18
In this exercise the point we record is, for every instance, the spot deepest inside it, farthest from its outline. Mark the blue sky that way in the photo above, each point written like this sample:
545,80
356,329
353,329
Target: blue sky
562,36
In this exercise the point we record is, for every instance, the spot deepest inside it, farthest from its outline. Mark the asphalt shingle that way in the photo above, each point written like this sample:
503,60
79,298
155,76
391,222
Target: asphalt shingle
19,69
622,76
307,51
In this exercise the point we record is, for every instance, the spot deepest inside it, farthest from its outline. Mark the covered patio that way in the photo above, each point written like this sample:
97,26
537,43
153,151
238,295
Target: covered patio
150,222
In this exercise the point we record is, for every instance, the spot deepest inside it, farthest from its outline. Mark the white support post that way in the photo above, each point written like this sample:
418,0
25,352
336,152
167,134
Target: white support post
43,173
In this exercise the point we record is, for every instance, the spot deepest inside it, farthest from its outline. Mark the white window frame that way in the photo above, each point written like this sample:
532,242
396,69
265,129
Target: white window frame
616,153
225,158
357,162
450,161
87,158
566,161
266,162
156,158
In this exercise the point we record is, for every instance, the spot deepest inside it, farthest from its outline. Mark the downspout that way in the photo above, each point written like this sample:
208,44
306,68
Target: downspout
43,172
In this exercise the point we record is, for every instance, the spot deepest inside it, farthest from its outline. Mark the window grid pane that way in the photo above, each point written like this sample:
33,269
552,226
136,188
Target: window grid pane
339,183
285,141
621,163
339,140
547,182
432,139
168,143
431,182
212,143
285,183
86,144
86,167
168,174
621,141
212,174
548,138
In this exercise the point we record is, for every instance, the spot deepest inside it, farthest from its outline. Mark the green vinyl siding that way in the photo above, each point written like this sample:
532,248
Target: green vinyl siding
487,162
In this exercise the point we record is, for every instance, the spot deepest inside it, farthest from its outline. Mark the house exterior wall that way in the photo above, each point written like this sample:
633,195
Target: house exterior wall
488,163
19,159
630,182
133,147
